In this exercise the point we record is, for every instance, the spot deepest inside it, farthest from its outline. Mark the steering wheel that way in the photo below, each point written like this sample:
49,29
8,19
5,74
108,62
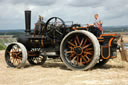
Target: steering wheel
54,28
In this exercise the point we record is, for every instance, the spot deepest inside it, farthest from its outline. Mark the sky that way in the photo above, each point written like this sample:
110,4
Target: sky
111,12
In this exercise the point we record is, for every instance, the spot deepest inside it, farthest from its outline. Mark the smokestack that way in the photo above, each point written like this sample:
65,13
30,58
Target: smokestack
28,21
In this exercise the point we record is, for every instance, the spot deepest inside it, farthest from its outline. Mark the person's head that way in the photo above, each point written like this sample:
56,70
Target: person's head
96,16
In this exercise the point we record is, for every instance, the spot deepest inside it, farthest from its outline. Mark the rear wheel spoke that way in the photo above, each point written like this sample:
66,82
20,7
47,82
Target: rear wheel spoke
85,42
77,38
71,43
77,59
72,55
84,59
75,43
69,51
88,49
73,60
88,59
90,53
81,63
87,45
81,41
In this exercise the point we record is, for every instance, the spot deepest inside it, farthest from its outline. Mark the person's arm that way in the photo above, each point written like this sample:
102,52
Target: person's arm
100,22
90,24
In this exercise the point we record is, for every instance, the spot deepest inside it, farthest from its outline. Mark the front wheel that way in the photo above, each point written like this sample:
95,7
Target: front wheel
15,55
80,50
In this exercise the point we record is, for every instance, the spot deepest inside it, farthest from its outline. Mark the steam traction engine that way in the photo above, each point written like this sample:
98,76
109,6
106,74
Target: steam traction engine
80,48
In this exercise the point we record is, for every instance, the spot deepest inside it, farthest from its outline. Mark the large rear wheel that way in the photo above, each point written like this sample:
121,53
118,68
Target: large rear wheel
80,50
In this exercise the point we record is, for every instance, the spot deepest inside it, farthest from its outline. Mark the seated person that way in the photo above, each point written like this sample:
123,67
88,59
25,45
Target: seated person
97,24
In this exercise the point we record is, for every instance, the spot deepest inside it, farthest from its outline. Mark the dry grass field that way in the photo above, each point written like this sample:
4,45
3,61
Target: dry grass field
115,72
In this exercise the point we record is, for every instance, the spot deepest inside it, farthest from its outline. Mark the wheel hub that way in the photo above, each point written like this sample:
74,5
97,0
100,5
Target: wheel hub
78,50
13,54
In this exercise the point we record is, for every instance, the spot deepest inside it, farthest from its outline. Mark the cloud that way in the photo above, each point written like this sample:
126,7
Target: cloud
31,2
112,12
86,3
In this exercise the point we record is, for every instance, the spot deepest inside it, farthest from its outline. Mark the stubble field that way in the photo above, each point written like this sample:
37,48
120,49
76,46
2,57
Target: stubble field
115,72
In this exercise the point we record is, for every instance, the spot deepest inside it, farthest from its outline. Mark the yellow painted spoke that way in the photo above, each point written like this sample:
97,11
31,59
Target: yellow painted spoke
77,38
75,42
89,49
90,53
70,52
84,59
71,48
87,45
77,59
18,61
80,62
72,55
73,59
19,58
71,43
87,58
85,42
81,41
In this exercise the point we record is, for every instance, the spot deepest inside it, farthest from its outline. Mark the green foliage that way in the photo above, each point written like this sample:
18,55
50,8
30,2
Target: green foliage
2,47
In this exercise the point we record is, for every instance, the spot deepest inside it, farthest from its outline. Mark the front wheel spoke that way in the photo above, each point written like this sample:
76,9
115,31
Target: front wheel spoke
19,58
13,49
71,43
87,45
13,60
19,53
8,52
16,61
10,59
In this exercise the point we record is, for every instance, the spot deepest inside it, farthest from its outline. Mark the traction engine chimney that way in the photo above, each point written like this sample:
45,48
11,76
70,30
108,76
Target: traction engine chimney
28,21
